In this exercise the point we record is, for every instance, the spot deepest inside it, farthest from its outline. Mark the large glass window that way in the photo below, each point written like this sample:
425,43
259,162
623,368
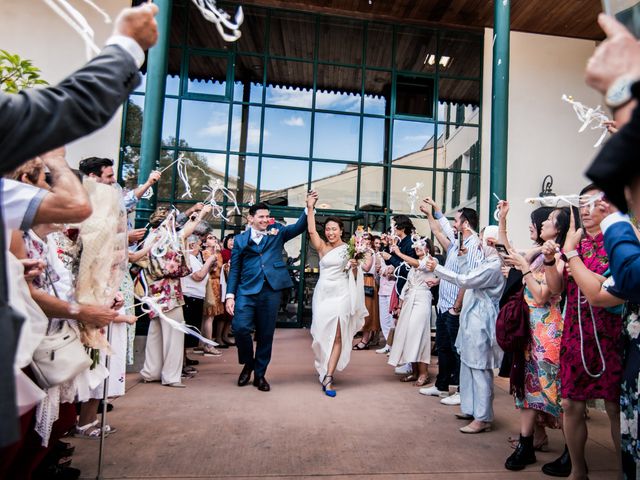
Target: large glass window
204,124
286,132
336,184
336,136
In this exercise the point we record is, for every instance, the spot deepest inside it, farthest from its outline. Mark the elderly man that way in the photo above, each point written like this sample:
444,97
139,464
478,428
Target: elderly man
476,340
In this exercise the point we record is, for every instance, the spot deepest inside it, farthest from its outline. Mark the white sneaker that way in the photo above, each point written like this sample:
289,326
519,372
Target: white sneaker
432,391
451,399
384,349
405,369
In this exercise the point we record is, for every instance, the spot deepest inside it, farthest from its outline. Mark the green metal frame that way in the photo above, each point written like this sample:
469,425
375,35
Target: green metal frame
438,124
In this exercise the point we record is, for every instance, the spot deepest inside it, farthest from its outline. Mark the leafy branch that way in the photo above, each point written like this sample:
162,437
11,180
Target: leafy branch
17,73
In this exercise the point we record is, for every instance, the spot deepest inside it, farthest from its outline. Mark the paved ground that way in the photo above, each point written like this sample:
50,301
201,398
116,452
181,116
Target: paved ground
377,427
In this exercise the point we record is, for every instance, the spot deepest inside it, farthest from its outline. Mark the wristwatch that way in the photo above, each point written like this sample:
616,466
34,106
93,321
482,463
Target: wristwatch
619,93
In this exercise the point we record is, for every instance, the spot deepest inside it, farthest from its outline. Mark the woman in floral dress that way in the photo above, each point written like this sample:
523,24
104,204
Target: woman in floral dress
541,402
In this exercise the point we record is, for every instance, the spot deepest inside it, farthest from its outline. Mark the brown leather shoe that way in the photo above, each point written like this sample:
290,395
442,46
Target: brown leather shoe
262,384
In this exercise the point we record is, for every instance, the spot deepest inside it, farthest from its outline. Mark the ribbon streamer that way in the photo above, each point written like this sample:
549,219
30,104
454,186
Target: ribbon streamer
572,200
412,195
218,211
77,22
221,19
589,116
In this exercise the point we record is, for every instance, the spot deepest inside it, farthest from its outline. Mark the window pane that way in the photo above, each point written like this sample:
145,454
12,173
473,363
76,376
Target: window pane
374,137
249,72
204,125
371,188
245,129
243,177
254,29
173,71
339,88
416,50
377,96
135,111
284,182
414,95
465,93
292,35
402,178
340,41
336,185
336,136
279,90
379,44
286,132
460,143
413,143
461,53
130,160
165,183
207,75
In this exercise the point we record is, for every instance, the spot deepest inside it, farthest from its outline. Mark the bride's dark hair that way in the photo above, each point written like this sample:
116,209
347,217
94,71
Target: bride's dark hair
334,220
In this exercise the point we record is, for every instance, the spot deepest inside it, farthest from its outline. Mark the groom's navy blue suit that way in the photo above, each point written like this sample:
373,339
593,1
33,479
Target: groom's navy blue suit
257,277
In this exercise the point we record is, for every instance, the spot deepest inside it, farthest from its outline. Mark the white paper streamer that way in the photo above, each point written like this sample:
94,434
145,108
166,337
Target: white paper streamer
412,195
221,19
572,200
77,22
589,116
218,211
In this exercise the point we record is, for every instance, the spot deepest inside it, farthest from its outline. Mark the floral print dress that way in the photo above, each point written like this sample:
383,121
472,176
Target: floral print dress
630,396
542,358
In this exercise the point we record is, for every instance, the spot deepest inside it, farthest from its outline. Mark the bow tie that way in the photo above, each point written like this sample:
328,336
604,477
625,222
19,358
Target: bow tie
258,233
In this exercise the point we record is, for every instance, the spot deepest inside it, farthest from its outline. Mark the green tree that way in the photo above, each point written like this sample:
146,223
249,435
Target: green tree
17,73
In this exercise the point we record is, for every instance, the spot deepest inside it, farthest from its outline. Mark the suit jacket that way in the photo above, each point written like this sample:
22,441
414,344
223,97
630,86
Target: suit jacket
252,264
35,121
406,248
623,250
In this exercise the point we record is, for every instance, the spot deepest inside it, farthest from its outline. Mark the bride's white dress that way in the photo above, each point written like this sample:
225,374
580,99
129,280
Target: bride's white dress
338,297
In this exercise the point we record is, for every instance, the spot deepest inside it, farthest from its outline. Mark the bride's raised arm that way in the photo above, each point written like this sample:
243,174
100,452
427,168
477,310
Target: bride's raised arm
314,237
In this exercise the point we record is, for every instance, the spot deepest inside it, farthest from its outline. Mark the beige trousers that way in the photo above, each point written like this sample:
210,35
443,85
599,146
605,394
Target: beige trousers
164,350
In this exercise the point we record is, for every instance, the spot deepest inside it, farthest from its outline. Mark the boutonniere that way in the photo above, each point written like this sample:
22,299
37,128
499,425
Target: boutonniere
273,231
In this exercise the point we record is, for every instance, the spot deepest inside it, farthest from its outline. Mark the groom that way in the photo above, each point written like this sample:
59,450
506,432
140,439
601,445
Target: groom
256,279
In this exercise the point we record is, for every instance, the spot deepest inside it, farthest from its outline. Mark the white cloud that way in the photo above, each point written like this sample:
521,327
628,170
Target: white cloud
294,121
213,130
326,101
217,161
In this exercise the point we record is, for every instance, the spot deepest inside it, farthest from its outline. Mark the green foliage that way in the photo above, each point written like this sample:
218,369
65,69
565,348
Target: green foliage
17,73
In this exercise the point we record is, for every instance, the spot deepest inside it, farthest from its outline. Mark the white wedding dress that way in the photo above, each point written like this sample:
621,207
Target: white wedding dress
338,297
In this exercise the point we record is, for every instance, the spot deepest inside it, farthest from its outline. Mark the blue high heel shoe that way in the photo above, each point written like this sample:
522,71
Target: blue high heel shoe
326,381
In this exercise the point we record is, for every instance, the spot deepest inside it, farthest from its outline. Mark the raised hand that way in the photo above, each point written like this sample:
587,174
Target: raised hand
431,264
312,199
139,23
431,202
573,236
503,206
549,249
517,261
154,177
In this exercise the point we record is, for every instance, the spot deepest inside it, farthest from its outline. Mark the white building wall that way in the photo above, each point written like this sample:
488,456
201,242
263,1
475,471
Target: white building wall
31,30
543,130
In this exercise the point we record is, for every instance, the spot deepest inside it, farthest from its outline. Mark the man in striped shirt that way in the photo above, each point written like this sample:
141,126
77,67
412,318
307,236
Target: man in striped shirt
450,301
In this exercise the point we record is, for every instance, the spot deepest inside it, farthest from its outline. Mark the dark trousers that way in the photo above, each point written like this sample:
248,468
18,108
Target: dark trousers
257,312
192,311
448,359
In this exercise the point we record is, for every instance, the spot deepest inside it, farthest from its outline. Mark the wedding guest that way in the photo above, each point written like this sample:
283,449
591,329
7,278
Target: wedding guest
386,284
591,347
194,289
541,400
213,304
462,233
412,339
371,325
164,350
476,342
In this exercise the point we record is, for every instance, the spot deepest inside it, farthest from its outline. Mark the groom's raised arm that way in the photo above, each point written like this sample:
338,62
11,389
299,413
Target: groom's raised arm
291,231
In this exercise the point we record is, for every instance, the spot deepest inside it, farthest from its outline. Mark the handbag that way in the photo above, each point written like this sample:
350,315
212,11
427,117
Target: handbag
368,291
61,356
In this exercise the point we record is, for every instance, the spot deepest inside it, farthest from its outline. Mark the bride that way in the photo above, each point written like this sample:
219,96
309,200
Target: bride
338,300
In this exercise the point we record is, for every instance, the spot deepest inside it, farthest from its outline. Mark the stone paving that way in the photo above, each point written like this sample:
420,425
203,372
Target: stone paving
376,428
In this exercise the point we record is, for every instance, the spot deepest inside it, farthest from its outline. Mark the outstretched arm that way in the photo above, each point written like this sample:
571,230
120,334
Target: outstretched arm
314,236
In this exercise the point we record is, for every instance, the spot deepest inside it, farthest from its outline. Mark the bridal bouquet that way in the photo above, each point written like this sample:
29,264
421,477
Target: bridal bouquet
357,246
